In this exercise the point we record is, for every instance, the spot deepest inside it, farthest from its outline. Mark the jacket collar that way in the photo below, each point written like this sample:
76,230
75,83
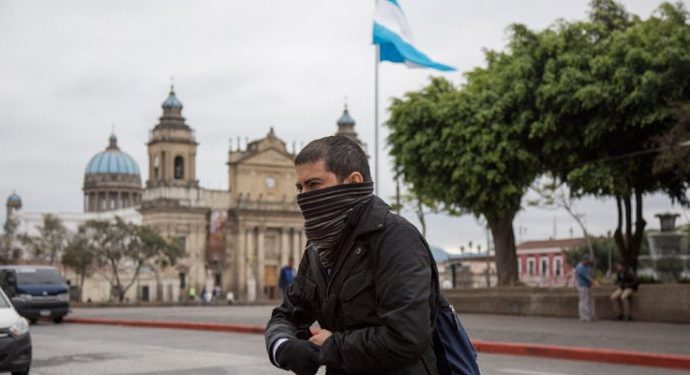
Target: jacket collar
372,217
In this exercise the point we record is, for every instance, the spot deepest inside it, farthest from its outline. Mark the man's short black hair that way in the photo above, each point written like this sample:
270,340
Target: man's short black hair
340,154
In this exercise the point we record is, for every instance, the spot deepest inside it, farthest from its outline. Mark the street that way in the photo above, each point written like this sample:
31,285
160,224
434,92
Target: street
632,336
91,349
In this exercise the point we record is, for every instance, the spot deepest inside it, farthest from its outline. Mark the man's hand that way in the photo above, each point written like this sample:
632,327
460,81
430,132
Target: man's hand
319,335
298,356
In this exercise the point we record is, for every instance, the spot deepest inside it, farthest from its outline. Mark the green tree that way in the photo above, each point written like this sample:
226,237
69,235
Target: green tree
80,256
602,247
468,149
607,93
50,241
123,248
7,240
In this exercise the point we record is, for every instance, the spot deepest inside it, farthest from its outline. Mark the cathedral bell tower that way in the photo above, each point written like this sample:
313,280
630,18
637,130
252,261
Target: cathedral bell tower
172,148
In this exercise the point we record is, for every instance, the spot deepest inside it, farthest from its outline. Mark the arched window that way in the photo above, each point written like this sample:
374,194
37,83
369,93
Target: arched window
179,168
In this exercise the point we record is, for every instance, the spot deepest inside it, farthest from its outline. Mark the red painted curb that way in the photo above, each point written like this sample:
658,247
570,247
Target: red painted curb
215,327
586,354
562,352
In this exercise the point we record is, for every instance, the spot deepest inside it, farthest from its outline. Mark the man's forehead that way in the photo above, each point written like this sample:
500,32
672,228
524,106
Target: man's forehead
316,167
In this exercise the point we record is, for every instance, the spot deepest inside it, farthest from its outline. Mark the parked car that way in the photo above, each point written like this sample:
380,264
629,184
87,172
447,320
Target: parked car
15,339
36,291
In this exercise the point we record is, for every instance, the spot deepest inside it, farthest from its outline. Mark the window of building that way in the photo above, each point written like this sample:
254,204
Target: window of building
156,166
559,266
179,168
544,267
182,243
530,266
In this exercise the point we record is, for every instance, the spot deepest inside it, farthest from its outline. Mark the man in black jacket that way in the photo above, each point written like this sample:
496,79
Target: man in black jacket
363,298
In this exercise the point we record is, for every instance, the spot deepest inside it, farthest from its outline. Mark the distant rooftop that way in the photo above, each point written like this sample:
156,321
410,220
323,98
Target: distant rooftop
547,244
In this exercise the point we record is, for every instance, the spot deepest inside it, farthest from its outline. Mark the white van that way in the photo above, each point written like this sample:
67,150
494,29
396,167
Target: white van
15,339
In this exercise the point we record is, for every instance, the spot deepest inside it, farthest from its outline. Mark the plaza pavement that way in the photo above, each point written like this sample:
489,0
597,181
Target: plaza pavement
533,335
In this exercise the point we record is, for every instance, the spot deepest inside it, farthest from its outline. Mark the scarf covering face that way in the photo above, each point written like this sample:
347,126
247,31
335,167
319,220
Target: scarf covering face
325,212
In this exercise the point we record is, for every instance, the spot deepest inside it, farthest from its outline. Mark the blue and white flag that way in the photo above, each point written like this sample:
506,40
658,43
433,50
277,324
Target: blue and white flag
393,35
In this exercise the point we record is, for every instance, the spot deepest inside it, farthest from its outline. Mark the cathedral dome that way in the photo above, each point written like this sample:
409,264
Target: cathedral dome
346,119
112,161
172,101
111,180
14,199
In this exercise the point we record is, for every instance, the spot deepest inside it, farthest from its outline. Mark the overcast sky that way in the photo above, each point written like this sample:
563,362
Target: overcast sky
70,69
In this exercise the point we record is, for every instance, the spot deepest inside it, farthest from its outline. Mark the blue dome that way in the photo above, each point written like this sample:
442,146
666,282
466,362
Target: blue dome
112,161
172,101
346,119
14,198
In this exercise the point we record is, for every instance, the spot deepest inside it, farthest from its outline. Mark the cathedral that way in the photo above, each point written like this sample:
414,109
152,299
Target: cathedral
237,239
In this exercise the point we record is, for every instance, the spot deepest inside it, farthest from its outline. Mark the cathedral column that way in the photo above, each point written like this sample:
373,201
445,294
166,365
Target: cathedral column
192,167
260,269
250,268
284,246
296,246
241,262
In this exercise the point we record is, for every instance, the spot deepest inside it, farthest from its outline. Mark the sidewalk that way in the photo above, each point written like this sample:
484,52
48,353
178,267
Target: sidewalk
548,337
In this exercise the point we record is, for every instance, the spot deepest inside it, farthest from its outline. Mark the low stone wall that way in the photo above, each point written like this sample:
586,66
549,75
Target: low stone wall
668,303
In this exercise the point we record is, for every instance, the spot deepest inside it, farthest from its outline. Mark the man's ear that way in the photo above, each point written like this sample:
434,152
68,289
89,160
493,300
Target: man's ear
354,178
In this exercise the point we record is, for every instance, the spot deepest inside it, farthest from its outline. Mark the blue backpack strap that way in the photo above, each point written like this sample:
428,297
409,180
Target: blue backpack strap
455,354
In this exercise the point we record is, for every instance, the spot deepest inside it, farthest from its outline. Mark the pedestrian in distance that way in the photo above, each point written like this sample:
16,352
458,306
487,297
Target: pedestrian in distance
204,295
627,283
191,294
584,279
216,293
287,276
364,297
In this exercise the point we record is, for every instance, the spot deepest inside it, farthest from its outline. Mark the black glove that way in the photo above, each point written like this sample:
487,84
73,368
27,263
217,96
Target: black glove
298,356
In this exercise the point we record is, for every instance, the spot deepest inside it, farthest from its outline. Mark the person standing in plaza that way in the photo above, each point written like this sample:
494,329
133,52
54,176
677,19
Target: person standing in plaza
287,275
627,284
584,279
365,277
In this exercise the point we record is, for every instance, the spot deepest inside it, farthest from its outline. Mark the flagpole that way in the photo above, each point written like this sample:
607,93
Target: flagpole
376,121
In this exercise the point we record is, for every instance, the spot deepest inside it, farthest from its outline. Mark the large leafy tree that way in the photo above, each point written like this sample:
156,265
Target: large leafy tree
123,248
607,95
50,241
468,148
80,256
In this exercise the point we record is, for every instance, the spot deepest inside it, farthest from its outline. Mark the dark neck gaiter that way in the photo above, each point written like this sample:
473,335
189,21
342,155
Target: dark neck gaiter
325,212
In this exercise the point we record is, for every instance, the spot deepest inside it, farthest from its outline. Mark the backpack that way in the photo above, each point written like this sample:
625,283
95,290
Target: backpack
455,354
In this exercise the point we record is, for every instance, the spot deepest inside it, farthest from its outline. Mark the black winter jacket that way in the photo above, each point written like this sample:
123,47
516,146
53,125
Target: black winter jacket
378,301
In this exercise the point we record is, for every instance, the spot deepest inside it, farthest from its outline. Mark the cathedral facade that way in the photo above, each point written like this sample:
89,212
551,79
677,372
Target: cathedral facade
237,239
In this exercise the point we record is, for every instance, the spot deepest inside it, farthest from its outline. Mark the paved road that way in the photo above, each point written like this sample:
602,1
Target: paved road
86,349
636,336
